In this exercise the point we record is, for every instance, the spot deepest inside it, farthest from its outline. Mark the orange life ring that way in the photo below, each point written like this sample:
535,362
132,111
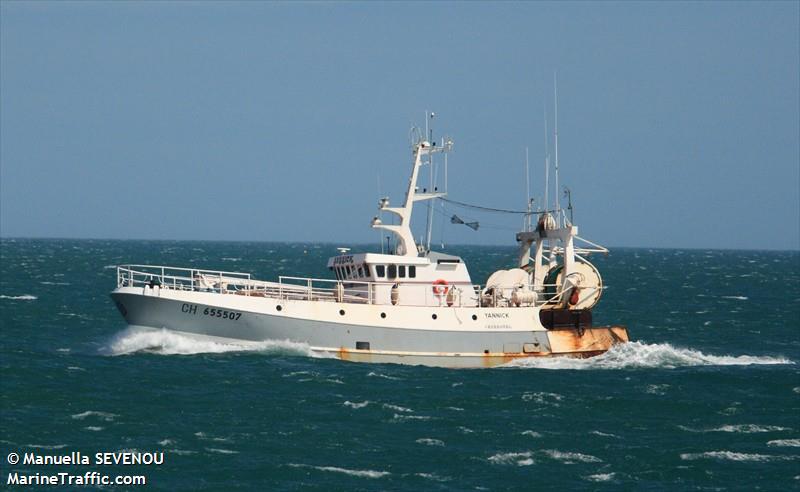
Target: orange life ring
440,287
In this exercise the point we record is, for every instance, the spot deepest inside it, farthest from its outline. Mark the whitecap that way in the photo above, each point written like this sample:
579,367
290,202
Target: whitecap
221,451
356,405
531,433
75,368
791,443
409,417
166,442
384,376
54,283
434,477
600,477
639,355
519,459
430,442
94,428
46,446
739,428
543,398
738,298
733,456
568,458
108,417
181,452
397,408
164,342
465,430
603,434
345,471
23,297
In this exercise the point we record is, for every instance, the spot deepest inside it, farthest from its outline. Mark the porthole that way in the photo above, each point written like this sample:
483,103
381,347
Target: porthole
485,351
433,316
278,307
341,312
474,317
383,315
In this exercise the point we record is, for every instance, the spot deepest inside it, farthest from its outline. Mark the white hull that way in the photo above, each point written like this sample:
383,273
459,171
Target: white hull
457,337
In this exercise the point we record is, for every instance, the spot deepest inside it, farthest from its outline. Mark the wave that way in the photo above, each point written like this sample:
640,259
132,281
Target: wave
430,442
640,355
345,471
356,405
519,459
23,297
164,342
569,458
739,428
107,416
792,443
600,477
733,456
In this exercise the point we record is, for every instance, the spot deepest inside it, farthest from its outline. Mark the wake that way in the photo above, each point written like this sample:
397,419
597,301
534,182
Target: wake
640,355
136,339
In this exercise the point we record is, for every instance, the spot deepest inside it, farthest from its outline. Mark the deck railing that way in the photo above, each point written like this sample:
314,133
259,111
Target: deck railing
316,289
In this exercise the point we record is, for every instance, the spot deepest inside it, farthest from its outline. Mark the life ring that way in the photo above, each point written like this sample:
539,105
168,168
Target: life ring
440,287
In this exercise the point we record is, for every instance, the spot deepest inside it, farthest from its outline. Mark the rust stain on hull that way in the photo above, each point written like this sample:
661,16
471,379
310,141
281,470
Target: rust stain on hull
589,340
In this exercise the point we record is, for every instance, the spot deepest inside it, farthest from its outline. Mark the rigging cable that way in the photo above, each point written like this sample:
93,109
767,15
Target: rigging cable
488,209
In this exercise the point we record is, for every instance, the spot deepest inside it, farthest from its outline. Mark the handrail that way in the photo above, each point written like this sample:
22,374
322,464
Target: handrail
318,289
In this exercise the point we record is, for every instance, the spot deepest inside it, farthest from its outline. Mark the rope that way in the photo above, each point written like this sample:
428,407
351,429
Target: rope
488,209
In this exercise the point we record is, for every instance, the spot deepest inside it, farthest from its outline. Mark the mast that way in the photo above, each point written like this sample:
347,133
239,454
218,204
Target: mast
406,246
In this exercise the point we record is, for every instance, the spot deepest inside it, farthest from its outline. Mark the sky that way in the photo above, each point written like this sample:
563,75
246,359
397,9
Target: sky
678,123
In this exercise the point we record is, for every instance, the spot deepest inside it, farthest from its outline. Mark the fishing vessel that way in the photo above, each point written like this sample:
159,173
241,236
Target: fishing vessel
407,305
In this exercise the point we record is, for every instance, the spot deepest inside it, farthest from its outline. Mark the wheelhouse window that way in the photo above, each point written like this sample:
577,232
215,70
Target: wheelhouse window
380,271
401,270
392,273
412,271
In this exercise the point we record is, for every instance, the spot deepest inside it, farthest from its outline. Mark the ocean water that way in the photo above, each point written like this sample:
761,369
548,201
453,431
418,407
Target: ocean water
706,397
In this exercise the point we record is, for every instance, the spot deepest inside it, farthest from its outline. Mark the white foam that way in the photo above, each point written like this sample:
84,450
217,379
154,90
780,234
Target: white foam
221,451
519,459
531,433
600,477
749,428
345,471
46,446
733,456
384,376
356,405
434,477
94,428
542,397
603,434
164,342
568,458
791,443
739,428
409,417
108,417
397,408
430,442
738,298
166,442
639,355
23,297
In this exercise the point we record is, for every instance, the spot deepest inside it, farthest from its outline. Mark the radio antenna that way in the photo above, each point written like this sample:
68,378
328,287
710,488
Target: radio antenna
555,90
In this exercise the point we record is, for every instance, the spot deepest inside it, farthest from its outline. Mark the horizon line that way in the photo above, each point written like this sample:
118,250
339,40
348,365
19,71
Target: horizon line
337,244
